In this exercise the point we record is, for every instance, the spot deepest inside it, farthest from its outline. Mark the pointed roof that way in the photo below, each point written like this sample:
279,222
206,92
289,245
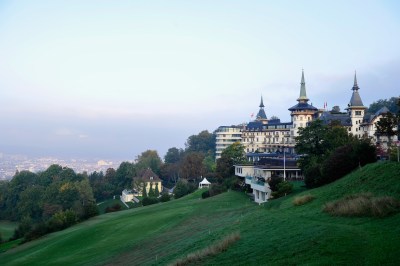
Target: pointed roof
303,93
303,100
355,100
205,181
261,113
261,104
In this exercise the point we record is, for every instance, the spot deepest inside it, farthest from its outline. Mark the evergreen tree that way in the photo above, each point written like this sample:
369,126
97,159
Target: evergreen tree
144,193
151,191
156,191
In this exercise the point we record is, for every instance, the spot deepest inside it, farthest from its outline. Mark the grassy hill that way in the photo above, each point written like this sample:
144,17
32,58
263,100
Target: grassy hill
277,233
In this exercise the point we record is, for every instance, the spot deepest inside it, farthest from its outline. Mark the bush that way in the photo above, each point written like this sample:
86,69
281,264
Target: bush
301,200
363,205
90,210
312,176
205,194
37,231
274,181
165,197
149,201
115,208
183,188
62,220
216,189
284,188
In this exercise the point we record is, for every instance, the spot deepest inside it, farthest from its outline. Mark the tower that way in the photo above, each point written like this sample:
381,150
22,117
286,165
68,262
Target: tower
356,110
261,116
301,113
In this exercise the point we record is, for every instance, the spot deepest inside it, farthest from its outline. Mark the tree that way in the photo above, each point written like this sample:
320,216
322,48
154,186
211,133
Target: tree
391,104
173,155
233,154
386,126
311,139
151,191
181,189
124,175
192,165
149,159
204,143
156,191
329,152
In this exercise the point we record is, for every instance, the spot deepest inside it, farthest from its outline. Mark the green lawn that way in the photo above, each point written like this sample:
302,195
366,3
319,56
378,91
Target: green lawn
277,233
7,229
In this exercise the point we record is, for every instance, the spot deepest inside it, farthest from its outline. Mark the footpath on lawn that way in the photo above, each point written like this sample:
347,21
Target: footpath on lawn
276,233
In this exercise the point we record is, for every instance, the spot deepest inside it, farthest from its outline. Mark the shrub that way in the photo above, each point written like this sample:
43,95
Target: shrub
274,181
149,201
216,189
90,210
301,200
205,194
312,176
283,188
165,197
115,208
62,220
363,205
37,231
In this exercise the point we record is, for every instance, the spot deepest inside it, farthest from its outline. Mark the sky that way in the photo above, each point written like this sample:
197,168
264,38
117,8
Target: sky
111,79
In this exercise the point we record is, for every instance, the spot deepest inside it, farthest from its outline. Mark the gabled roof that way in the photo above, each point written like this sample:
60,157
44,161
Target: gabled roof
369,118
328,117
383,110
149,176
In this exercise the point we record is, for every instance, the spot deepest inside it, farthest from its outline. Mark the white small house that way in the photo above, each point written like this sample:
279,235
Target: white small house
127,195
204,183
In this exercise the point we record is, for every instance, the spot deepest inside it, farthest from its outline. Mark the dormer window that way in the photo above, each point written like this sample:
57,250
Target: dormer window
151,178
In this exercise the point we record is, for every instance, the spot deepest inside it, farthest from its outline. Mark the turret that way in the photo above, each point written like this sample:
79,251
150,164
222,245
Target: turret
356,109
301,113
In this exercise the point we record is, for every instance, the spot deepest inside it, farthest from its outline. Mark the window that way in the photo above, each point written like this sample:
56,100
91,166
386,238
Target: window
358,112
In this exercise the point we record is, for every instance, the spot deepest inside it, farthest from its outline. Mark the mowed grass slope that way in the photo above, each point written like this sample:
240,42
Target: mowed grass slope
277,233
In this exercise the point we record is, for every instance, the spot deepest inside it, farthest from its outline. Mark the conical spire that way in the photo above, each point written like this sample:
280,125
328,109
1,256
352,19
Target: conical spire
355,86
303,93
262,104
355,100
261,113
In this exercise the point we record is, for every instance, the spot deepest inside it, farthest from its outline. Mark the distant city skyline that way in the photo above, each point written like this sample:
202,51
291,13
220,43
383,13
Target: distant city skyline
93,79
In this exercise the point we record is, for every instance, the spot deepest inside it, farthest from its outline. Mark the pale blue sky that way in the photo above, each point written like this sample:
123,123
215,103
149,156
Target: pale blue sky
110,79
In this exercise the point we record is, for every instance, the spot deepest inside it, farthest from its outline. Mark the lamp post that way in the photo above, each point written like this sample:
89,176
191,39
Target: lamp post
284,164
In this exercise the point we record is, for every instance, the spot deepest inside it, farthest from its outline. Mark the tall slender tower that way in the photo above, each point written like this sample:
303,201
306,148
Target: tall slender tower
301,113
356,110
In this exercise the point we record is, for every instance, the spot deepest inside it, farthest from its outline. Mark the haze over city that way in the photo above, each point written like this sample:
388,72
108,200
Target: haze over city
115,78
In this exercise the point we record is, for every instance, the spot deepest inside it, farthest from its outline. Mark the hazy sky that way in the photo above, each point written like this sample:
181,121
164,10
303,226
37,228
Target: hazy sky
110,79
